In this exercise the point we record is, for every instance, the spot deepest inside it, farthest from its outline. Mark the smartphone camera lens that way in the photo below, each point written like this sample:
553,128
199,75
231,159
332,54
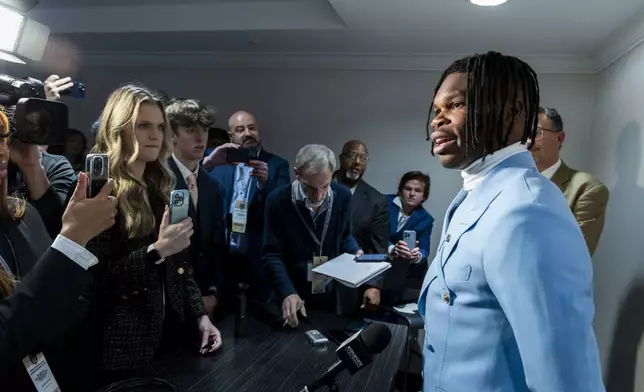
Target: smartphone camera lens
97,167
178,200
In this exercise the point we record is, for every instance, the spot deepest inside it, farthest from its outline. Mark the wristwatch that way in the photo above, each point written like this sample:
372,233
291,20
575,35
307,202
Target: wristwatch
154,255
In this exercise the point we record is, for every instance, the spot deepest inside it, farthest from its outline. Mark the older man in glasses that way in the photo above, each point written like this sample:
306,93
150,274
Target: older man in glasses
586,195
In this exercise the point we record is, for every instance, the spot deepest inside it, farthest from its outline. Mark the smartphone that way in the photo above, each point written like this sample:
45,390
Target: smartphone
97,167
179,205
237,155
316,338
75,91
375,258
409,236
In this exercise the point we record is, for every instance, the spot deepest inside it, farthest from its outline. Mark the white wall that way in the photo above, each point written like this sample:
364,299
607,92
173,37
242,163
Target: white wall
616,150
385,109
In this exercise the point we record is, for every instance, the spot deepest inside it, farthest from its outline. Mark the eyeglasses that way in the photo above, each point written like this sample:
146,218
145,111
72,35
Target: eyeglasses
540,132
354,156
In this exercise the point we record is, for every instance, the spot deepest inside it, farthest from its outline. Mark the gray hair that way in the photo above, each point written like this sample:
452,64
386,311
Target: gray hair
314,159
554,116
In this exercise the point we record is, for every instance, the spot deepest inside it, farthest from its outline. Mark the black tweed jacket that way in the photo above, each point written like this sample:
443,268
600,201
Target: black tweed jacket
127,305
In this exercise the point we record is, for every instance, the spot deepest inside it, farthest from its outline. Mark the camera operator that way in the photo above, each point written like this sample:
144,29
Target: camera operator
42,178
39,310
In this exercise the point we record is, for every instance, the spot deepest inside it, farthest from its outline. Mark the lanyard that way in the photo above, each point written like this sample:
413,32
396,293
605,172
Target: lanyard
245,182
327,219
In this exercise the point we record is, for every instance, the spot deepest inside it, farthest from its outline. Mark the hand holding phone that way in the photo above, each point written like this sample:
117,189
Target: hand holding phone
179,205
173,238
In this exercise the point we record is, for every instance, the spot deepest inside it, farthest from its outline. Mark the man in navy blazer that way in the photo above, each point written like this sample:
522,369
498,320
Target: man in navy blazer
190,120
406,213
245,187
507,301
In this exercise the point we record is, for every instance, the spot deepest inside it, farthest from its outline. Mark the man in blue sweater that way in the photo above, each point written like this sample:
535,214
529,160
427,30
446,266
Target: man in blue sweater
308,223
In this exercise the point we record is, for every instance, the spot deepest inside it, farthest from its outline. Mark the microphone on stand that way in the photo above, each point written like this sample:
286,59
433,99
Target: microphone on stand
355,353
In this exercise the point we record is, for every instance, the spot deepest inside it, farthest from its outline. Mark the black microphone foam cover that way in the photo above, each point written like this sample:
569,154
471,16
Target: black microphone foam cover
376,338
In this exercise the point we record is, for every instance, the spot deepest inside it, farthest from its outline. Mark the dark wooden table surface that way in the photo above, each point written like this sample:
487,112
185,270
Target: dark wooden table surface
273,358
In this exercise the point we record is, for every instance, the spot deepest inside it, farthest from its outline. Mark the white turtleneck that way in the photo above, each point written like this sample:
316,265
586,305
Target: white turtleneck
476,172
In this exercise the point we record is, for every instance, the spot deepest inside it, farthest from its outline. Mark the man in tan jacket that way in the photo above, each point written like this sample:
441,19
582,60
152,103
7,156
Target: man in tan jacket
586,195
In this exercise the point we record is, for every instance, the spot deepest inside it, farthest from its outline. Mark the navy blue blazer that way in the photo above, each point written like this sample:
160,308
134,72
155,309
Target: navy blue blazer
278,176
420,221
208,252
288,246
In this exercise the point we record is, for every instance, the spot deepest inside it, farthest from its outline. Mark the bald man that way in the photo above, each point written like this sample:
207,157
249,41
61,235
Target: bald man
245,187
369,208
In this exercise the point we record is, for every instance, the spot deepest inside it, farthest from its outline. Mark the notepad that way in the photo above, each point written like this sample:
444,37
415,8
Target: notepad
347,271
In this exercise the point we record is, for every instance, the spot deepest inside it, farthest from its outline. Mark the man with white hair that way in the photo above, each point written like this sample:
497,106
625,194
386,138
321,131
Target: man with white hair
308,223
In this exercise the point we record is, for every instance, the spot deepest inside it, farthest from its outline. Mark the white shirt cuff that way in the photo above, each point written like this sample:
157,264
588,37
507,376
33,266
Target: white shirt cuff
390,250
75,252
418,259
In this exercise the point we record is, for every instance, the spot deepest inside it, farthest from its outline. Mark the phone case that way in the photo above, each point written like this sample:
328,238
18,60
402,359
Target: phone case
97,168
409,236
179,205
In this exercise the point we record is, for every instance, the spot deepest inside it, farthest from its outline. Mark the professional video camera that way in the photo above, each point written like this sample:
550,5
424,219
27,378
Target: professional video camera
36,120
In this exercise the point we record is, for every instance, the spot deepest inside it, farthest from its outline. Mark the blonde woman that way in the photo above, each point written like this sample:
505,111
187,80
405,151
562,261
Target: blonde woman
144,297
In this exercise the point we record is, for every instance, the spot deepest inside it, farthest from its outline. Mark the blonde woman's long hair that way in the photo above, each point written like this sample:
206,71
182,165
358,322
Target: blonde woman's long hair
120,114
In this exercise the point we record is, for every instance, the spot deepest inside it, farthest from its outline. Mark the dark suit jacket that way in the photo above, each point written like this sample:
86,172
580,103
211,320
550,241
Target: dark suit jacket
288,245
207,250
587,198
38,306
278,176
370,218
26,240
125,319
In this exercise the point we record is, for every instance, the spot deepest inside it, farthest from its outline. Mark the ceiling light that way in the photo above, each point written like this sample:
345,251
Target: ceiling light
21,38
10,30
487,3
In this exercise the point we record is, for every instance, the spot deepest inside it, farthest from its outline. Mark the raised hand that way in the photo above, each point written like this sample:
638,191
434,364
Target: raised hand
86,218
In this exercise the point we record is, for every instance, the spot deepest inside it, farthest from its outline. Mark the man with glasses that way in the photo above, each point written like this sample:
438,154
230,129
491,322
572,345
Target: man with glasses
245,188
369,211
307,224
369,208
586,195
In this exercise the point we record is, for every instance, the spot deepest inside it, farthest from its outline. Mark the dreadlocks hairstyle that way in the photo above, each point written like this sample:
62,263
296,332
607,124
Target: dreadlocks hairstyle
493,82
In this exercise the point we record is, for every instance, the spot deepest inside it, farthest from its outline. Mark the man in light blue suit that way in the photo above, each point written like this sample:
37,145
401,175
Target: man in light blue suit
507,301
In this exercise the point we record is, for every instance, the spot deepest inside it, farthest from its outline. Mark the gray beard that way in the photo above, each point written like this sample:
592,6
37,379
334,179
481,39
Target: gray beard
352,175
310,204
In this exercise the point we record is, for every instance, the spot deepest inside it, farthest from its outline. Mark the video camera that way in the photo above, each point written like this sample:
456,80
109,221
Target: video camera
35,119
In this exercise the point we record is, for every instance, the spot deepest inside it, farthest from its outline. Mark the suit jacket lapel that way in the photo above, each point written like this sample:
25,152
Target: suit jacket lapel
562,176
359,200
204,205
393,214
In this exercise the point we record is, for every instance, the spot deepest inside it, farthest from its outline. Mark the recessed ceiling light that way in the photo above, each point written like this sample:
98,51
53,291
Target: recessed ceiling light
487,3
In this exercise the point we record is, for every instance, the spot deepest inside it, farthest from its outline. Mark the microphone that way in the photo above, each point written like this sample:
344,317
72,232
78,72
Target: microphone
355,353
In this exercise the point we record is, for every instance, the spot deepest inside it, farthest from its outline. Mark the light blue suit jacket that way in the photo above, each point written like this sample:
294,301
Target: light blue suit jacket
507,301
